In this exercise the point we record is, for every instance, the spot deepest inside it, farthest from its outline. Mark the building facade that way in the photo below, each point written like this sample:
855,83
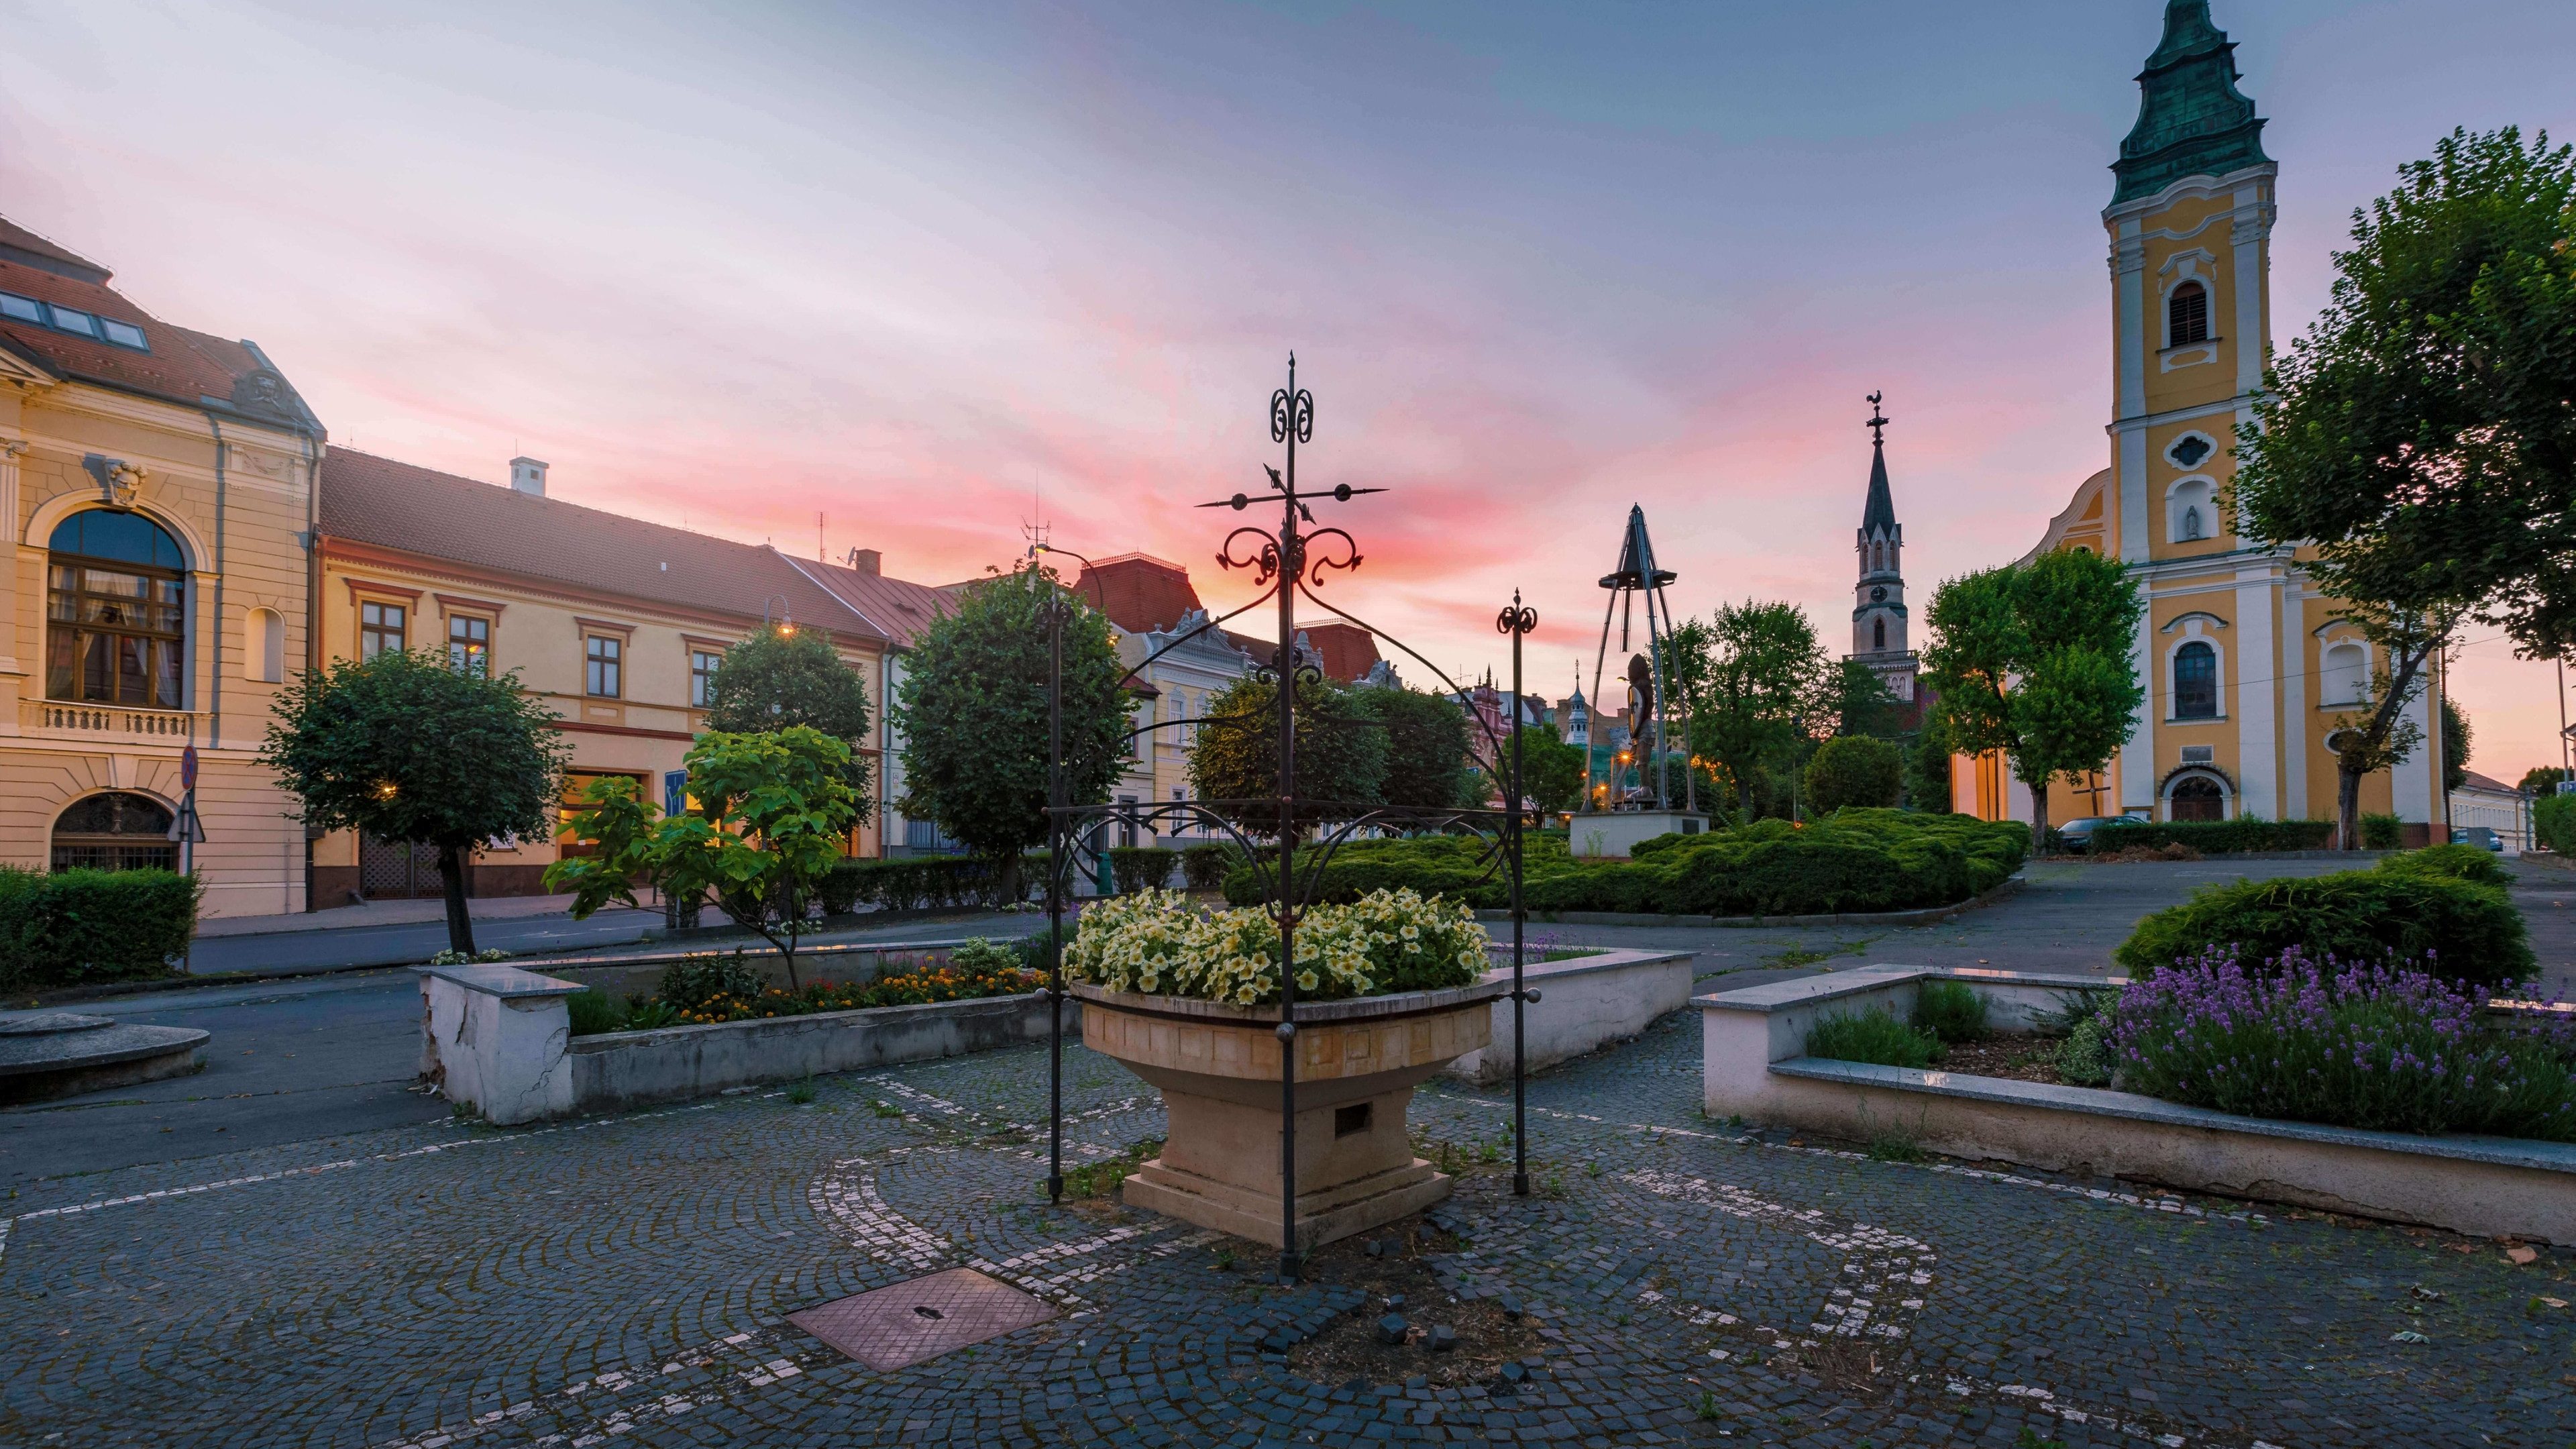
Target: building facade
2248,666
157,484
1178,666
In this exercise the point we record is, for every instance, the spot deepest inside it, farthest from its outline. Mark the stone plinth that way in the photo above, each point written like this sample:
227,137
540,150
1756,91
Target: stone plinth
493,1039
60,1054
1218,1068
1615,833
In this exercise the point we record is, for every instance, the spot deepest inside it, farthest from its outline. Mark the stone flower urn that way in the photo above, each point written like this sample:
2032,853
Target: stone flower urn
1358,1061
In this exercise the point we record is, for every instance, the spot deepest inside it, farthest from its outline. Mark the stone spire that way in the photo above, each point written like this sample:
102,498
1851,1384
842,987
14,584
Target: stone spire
2192,120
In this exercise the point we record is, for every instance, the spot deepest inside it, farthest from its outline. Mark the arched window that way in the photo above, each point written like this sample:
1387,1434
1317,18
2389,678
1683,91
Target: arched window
1878,634
2347,675
2197,797
115,612
2195,681
115,831
2187,315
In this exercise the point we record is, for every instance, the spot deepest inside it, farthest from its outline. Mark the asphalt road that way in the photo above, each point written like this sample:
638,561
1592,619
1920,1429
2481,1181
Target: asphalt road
319,1056
337,948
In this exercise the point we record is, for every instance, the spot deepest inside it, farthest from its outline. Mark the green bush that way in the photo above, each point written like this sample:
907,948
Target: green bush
842,888
2382,832
2554,821
2454,862
688,985
1854,770
1951,1011
1871,1036
981,954
912,883
77,926
2214,837
595,1011
2471,932
1204,867
1141,867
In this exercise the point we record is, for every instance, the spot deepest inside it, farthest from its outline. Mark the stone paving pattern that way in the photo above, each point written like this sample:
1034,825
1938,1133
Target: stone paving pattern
627,1280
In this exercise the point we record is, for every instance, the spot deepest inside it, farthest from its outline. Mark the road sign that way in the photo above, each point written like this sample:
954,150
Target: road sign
187,829
188,768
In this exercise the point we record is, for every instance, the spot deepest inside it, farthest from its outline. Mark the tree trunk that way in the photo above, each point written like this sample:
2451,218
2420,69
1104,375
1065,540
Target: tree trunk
460,922
2347,806
2039,819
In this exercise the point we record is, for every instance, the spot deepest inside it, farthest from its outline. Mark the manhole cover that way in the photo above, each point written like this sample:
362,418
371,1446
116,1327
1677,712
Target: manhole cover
913,1322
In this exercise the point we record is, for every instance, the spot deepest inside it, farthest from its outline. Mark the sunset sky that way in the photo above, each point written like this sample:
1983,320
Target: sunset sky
933,270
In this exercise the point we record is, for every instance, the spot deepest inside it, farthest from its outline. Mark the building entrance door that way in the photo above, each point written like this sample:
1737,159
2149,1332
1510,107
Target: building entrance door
390,870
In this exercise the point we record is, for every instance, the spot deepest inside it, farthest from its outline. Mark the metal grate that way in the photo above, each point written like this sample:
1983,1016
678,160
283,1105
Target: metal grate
915,1322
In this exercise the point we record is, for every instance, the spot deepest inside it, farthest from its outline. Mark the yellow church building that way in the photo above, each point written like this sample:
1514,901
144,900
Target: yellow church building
2247,665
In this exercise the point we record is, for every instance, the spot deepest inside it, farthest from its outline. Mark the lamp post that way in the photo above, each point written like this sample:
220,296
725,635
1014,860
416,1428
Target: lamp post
1517,621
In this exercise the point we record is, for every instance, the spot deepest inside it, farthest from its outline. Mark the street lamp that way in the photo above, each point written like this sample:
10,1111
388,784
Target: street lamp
785,624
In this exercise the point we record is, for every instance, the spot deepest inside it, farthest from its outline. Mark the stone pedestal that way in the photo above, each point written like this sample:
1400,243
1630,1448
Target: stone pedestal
1218,1068
1614,833
494,1039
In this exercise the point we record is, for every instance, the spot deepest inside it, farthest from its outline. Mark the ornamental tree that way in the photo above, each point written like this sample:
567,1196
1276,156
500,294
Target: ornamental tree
1854,770
973,709
2033,660
1427,764
1551,771
777,677
404,748
2422,434
1234,766
1760,677
771,815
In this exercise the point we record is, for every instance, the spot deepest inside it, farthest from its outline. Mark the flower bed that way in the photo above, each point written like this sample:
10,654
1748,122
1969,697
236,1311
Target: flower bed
724,988
1156,943
2378,1047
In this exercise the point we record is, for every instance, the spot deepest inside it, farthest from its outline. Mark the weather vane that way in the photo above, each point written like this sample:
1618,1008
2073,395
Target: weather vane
1877,423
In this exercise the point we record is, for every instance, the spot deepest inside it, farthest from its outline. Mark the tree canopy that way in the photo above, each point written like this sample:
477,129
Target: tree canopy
1427,739
776,678
974,714
404,748
1341,754
1761,685
1551,771
1857,770
2033,660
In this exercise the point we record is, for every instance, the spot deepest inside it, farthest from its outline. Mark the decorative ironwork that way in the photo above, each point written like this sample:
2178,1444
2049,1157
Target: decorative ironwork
1288,563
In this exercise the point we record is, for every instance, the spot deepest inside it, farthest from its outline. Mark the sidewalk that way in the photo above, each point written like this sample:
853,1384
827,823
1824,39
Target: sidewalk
393,913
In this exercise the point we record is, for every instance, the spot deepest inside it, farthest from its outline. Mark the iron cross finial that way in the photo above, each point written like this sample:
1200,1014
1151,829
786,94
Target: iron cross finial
1877,423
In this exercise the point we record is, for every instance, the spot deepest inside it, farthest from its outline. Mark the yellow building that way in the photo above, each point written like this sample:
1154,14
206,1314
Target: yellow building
616,624
157,485
2247,665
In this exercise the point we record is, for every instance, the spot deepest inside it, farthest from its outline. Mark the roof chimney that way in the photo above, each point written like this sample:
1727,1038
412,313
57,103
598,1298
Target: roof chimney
866,561
528,475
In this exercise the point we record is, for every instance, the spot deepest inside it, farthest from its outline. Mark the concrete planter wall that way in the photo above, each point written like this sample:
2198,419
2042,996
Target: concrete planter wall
1753,1064
1218,1067
498,1040
1585,1003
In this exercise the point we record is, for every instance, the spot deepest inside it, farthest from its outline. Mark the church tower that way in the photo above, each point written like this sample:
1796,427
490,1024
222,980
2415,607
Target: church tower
1878,612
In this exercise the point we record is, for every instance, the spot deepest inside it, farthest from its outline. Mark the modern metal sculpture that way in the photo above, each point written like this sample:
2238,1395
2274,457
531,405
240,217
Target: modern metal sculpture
1638,578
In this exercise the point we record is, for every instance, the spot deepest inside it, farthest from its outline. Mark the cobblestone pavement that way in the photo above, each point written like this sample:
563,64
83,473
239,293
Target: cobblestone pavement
626,1281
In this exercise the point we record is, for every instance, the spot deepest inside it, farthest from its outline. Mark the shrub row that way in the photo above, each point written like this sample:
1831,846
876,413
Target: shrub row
1851,861
1141,867
910,884
2553,819
2435,907
77,926
2214,837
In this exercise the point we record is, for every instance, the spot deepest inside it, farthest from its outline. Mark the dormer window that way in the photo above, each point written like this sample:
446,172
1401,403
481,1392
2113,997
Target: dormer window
2187,315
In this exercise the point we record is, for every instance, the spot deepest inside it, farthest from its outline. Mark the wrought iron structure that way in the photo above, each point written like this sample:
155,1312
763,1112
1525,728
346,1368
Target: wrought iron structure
1636,576
1289,563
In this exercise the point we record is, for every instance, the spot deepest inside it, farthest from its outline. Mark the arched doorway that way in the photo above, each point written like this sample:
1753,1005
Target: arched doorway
115,831
2196,797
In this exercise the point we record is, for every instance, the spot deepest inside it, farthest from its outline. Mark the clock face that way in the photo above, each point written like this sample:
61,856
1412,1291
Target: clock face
1878,595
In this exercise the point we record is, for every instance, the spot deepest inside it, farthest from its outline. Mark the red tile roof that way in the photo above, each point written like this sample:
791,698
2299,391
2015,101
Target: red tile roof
390,505
183,366
899,609
1348,650
1138,592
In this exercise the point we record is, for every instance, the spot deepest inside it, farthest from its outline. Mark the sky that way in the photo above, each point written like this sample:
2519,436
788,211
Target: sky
936,271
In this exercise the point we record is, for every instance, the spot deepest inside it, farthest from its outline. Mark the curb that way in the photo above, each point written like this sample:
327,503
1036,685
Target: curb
1921,917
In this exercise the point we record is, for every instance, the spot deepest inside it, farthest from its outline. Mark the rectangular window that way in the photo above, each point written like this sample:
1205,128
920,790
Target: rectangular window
70,321
577,783
380,627
117,636
469,645
605,660
124,334
703,665
21,309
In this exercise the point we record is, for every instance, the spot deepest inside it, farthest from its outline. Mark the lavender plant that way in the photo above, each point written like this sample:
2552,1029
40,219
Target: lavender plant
2378,1046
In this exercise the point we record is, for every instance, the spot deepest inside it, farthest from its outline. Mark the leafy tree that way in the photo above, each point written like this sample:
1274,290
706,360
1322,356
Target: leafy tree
1426,748
1341,757
1761,680
1927,764
2455,746
404,748
1551,771
772,812
786,676
974,716
2542,779
1854,770
2422,434
2033,660
1861,703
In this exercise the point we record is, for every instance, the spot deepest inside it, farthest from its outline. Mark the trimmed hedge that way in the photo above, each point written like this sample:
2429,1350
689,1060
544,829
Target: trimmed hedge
2382,832
1852,861
1204,867
1141,867
910,884
2553,819
2454,862
2470,932
2214,837
77,926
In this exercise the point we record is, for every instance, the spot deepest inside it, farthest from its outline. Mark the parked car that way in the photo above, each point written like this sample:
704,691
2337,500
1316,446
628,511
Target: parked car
2077,835
2478,835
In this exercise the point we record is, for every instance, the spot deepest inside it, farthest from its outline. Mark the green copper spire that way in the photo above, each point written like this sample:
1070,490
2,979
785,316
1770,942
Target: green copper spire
2192,120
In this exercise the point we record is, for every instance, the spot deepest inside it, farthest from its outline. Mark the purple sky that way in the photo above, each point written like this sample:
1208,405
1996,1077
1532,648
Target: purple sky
911,267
